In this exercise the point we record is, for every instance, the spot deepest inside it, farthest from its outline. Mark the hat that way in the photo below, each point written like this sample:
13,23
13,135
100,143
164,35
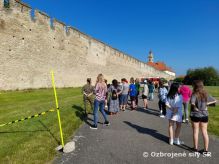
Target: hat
145,81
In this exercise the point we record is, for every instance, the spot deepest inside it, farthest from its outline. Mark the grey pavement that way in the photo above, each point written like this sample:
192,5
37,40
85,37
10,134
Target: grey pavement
132,134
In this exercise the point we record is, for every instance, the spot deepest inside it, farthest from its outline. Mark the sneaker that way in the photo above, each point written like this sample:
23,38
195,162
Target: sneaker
171,141
106,123
184,121
93,127
162,116
195,150
187,120
178,142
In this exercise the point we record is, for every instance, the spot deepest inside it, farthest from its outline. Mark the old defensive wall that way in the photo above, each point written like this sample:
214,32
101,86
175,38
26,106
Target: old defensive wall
32,43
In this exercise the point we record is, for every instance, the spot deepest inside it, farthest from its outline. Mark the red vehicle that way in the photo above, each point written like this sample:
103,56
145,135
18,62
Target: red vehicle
155,80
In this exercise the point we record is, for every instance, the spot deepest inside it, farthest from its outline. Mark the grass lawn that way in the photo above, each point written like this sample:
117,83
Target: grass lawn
35,140
213,126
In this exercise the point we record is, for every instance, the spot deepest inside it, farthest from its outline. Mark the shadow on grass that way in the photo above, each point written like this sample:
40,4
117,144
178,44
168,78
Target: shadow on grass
80,113
48,130
148,131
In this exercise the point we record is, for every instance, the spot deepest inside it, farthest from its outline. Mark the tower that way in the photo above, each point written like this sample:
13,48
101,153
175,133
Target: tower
150,56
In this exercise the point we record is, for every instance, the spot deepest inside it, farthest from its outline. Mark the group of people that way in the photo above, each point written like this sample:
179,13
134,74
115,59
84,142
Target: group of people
114,97
173,103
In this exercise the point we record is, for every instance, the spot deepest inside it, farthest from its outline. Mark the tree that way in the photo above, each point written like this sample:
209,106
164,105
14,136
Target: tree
179,79
209,75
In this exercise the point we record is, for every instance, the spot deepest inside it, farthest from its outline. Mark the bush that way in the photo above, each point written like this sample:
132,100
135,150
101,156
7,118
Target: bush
179,79
209,75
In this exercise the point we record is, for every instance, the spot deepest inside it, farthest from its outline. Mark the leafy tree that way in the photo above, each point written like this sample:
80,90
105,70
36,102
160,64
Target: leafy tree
179,79
209,75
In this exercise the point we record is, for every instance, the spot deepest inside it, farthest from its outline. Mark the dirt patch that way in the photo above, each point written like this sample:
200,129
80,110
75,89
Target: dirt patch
2,24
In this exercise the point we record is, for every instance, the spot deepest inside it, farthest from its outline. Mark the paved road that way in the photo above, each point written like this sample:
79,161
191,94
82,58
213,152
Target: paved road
130,134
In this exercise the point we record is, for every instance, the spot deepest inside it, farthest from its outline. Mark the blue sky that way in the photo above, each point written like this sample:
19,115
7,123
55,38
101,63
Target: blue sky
182,33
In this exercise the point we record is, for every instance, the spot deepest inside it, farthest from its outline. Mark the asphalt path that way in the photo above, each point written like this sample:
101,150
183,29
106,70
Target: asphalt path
136,137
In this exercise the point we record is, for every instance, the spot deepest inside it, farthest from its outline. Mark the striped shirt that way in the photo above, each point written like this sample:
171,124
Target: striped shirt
100,91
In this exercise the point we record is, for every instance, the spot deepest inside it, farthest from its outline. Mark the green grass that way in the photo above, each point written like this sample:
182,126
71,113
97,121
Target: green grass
213,91
35,140
213,126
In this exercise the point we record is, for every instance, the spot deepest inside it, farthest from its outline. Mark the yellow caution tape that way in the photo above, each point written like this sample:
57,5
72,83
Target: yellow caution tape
29,117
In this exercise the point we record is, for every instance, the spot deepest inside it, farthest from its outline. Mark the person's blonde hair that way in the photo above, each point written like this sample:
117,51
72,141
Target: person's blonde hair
132,80
199,91
100,78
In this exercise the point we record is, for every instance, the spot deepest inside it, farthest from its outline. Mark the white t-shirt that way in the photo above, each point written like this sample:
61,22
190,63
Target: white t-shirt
145,90
175,103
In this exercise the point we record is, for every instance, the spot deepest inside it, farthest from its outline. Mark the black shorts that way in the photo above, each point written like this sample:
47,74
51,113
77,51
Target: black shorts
132,98
144,97
199,119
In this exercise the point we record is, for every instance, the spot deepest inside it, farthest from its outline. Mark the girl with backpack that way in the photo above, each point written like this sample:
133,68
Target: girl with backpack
114,92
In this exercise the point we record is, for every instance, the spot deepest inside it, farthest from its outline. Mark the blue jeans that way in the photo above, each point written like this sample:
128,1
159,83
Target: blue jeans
186,112
151,96
97,105
123,99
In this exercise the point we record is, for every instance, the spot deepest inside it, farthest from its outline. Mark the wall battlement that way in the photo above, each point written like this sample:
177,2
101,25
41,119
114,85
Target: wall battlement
32,43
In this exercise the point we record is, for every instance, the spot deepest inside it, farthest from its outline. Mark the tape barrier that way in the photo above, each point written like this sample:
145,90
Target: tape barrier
27,118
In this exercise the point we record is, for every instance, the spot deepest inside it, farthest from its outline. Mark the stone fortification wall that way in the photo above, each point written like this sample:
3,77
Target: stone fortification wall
32,43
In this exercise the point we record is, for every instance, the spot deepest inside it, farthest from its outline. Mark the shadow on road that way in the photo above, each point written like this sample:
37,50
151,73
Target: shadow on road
149,111
156,135
148,131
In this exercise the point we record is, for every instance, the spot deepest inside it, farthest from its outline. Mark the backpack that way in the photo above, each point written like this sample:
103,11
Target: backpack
133,90
114,94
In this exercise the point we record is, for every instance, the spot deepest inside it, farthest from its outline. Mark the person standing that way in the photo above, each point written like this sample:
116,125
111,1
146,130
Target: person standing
162,95
199,113
186,94
145,94
106,99
137,85
120,88
99,102
114,92
132,93
151,91
87,91
124,94
174,113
